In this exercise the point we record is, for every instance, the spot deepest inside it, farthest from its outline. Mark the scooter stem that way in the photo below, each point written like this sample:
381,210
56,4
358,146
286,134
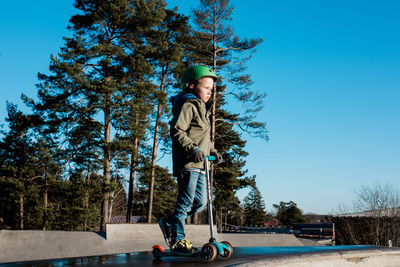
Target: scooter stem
209,193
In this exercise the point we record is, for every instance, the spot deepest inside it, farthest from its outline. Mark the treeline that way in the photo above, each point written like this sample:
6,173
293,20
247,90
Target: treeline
88,148
377,231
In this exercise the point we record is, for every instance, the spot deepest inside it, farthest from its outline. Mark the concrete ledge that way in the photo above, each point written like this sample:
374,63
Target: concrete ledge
37,245
139,233
125,238
369,258
28,245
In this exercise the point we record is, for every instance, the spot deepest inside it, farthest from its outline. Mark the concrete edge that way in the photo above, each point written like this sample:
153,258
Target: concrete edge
366,257
28,245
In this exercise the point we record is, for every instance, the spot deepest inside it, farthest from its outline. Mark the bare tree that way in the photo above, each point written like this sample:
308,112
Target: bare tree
378,200
375,220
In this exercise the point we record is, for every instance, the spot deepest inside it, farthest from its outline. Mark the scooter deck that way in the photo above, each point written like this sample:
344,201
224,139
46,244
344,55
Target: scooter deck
196,253
159,252
210,250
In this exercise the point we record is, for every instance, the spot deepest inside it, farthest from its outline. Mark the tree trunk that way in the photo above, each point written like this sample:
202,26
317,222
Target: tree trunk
86,198
131,181
220,219
214,104
107,163
45,201
226,218
21,211
111,204
154,153
153,164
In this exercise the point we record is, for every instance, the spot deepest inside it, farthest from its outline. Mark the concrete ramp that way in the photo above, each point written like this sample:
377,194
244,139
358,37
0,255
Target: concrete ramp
146,235
23,245
28,245
142,237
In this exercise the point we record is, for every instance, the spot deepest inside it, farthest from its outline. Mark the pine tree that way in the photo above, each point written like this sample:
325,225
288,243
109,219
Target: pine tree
165,192
228,54
288,213
215,44
149,15
254,208
100,74
25,169
31,178
168,38
228,178
15,168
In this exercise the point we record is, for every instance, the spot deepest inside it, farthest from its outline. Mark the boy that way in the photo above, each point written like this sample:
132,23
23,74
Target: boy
190,134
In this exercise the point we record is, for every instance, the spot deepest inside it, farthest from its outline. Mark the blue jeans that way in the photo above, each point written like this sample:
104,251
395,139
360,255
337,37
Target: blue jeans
192,198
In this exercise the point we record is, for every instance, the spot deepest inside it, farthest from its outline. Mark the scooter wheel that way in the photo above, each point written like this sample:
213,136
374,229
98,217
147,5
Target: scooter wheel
209,252
157,253
227,253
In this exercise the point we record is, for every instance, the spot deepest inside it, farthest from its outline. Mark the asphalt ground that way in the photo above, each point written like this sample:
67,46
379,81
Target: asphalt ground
241,256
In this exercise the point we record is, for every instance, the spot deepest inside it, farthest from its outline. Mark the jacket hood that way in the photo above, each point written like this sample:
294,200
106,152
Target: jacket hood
181,98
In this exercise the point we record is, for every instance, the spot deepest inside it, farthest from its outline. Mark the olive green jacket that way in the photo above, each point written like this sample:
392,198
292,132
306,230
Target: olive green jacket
189,129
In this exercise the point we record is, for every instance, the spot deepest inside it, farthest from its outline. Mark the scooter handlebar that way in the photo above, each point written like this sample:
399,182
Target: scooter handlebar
211,158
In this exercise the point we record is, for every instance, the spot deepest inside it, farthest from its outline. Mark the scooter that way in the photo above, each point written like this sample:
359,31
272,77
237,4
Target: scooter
212,249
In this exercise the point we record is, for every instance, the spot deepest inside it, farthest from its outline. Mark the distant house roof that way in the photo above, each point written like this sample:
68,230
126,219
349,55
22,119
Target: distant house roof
272,222
122,219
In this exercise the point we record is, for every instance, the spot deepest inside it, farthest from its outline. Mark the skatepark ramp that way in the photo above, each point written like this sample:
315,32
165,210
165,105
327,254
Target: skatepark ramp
26,245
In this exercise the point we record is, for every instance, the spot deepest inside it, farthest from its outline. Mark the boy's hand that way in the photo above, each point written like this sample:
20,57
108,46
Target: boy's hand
197,155
218,157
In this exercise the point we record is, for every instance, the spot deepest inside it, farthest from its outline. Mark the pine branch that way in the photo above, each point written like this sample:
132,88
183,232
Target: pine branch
241,99
230,48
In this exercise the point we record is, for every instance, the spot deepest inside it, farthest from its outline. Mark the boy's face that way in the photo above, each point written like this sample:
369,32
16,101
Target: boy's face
204,88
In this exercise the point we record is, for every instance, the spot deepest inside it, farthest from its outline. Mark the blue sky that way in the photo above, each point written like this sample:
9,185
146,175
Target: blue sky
331,70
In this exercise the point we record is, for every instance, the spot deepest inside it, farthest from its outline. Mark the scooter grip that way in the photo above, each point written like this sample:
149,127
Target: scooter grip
211,158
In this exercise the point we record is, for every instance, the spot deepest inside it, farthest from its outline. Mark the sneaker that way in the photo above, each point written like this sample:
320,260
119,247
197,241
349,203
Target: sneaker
165,229
183,246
